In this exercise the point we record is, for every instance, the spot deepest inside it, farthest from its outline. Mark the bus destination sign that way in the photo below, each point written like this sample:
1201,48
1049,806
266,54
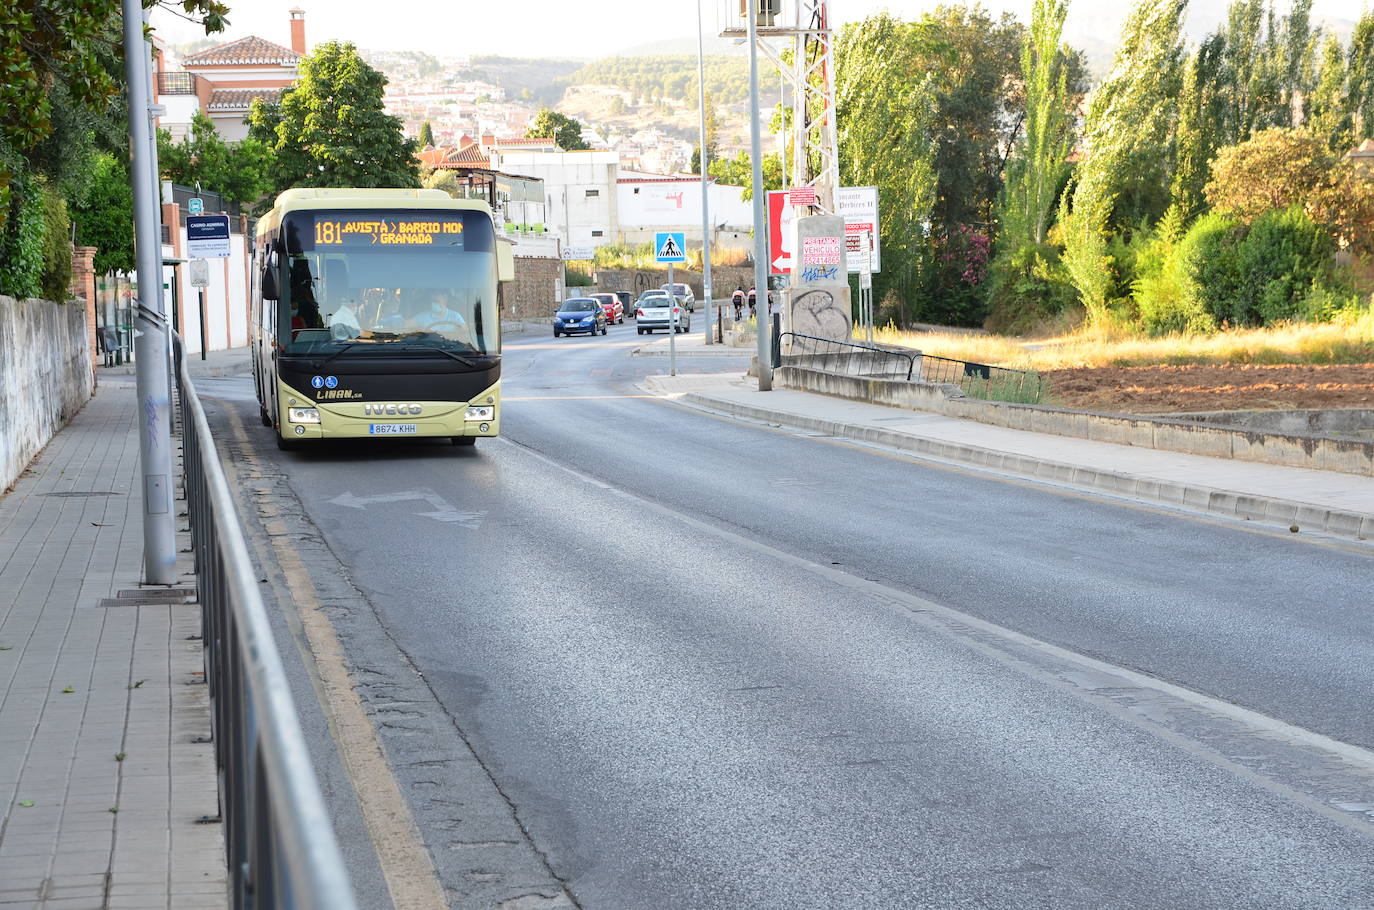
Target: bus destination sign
384,230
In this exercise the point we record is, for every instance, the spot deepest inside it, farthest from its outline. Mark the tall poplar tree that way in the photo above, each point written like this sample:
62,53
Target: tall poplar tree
1036,175
1328,116
1201,121
330,128
1124,179
885,107
1360,77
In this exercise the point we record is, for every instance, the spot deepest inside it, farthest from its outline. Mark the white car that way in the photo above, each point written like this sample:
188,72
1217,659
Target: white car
659,311
684,295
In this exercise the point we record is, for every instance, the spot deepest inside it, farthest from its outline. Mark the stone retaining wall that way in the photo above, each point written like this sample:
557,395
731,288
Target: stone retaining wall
45,377
534,292
1291,449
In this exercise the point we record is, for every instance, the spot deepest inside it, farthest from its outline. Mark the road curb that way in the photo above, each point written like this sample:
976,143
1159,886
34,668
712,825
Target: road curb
1245,506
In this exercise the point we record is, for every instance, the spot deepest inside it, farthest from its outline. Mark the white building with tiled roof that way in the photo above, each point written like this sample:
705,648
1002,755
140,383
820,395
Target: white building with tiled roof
223,81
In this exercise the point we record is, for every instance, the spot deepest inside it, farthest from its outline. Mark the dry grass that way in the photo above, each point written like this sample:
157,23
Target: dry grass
1345,341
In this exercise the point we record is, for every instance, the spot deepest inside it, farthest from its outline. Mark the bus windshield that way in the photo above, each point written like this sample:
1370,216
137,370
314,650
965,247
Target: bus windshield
379,281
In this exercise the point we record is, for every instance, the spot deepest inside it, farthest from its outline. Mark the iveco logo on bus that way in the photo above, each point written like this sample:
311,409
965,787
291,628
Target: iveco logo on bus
392,410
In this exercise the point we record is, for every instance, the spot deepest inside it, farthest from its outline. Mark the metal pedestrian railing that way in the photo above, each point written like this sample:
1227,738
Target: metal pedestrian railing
981,380
279,841
845,357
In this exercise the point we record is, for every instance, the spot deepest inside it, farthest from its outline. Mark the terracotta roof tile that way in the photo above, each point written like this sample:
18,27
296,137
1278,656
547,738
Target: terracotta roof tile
250,50
239,99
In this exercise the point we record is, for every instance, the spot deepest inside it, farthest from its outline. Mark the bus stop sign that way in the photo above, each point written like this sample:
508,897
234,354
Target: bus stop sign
207,236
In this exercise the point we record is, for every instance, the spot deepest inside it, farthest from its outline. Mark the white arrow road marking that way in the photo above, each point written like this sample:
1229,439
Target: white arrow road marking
472,520
443,509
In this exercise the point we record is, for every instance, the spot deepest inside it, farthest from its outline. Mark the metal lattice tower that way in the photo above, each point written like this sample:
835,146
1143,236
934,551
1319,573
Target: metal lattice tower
803,27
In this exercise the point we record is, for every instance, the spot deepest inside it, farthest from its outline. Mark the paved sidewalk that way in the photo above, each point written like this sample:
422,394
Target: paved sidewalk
1324,501
101,697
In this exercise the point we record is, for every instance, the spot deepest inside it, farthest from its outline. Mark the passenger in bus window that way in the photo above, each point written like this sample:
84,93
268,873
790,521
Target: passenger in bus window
344,321
305,312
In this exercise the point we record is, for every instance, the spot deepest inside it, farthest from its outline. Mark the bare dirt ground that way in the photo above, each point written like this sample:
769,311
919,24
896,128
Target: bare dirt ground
1215,387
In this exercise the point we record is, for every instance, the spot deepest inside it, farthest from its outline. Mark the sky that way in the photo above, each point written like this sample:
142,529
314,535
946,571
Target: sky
597,28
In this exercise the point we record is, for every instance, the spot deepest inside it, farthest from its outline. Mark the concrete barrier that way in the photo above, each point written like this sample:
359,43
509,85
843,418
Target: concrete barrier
45,377
1324,453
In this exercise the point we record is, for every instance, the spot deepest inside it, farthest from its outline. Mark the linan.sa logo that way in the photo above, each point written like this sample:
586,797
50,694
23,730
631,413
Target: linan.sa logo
389,409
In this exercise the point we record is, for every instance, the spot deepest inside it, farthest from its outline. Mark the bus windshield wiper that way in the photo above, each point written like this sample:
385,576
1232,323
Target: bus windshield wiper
447,353
323,363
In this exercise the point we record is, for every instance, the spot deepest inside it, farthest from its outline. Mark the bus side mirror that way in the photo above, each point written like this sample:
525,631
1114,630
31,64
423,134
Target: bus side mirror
505,260
269,277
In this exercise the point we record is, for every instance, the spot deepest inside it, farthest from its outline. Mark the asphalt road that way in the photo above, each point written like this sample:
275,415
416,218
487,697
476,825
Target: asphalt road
674,660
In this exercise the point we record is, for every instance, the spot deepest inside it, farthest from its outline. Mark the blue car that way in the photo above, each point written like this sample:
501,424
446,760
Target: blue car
579,314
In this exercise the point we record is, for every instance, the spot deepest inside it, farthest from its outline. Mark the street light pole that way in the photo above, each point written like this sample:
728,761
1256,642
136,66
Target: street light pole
760,221
705,194
150,322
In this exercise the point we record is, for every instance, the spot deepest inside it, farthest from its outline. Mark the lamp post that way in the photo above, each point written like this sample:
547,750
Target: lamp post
705,193
760,221
150,321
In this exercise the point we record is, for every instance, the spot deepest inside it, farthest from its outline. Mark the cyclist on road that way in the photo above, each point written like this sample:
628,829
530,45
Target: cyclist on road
737,298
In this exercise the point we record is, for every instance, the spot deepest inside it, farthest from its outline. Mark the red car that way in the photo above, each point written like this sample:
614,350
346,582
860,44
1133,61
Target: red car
615,310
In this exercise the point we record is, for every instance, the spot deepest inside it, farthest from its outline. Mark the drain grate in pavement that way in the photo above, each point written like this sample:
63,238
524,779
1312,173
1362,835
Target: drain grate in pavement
169,597
78,493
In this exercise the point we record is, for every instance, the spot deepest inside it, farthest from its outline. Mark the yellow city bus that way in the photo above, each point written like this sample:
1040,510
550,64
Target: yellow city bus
374,313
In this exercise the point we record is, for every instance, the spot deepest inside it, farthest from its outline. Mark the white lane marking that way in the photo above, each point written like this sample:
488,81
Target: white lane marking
443,509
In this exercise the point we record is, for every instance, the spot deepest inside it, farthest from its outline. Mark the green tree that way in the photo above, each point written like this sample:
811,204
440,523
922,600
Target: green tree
1037,174
974,59
1124,179
239,172
1201,118
1360,75
885,108
1328,115
737,171
1278,169
1022,288
712,136
565,132
1274,169
330,128
105,217
426,139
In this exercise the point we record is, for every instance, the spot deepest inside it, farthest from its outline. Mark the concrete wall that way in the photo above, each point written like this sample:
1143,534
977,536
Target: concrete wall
1294,450
45,377
723,279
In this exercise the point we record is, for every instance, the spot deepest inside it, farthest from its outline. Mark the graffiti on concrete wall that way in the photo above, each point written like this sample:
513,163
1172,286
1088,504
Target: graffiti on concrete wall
818,313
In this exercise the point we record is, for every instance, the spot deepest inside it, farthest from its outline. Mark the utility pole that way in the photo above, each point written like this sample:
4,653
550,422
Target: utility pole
760,221
705,193
150,322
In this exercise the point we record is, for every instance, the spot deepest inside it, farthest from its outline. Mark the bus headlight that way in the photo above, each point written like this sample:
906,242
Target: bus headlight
485,412
304,415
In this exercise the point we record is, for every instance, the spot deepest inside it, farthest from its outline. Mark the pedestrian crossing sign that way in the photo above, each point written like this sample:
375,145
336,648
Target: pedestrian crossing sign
670,246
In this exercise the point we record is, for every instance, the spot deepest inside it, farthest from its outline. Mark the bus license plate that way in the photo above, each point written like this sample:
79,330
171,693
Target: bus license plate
391,429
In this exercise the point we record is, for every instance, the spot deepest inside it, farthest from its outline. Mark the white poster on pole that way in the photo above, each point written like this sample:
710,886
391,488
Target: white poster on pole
858,205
